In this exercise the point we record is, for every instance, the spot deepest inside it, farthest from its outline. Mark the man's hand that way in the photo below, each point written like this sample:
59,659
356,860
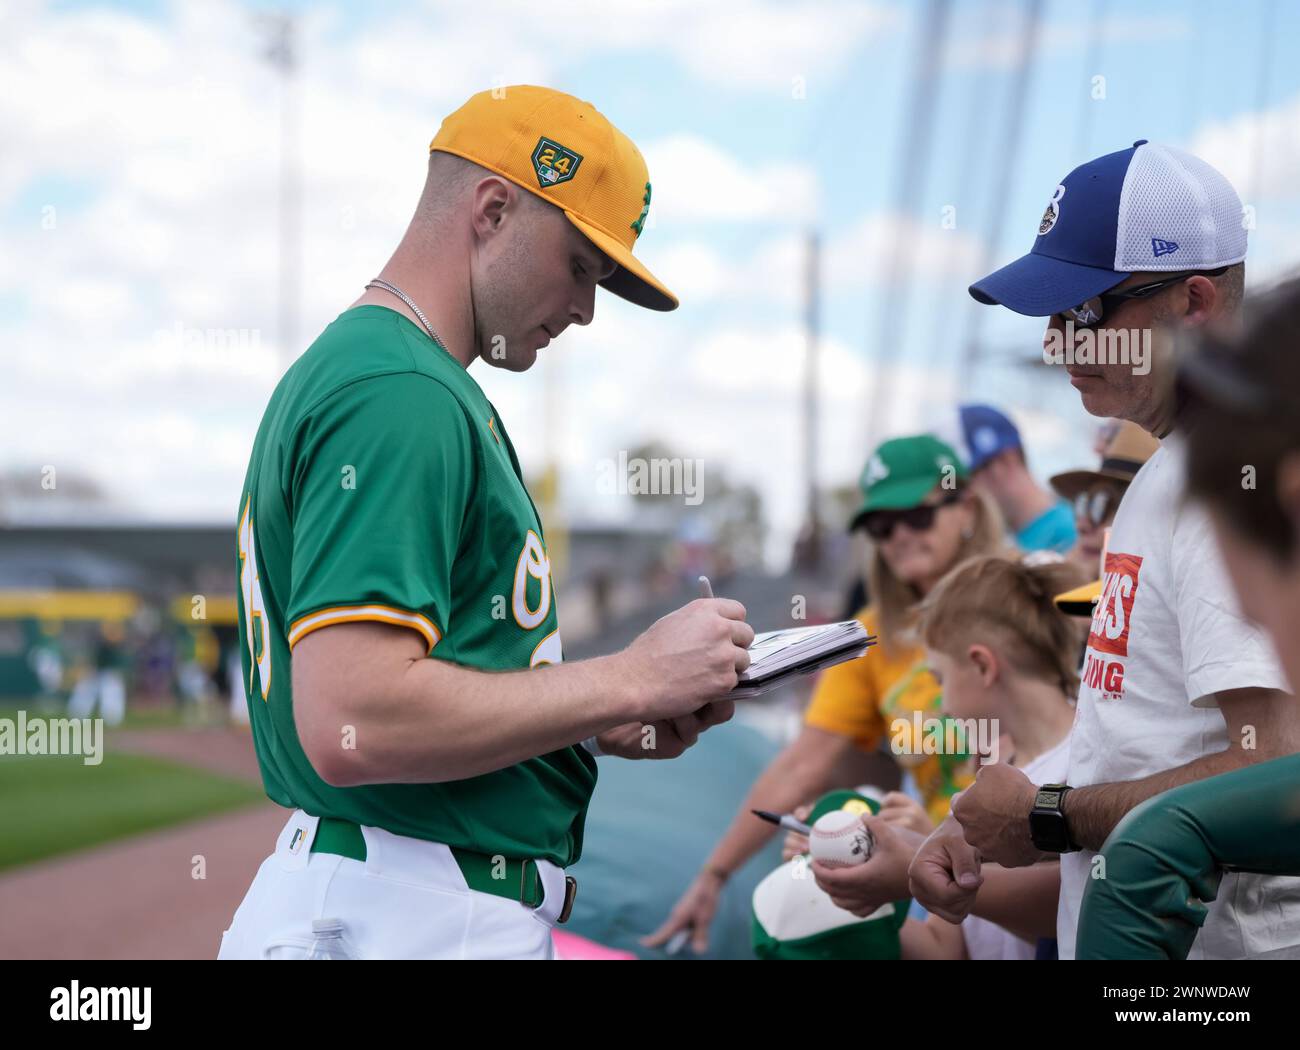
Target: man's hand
666,738
994,816
689,657
945,873
882,878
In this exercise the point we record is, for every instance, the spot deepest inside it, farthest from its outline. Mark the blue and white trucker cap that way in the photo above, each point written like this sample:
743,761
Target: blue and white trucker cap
1147,209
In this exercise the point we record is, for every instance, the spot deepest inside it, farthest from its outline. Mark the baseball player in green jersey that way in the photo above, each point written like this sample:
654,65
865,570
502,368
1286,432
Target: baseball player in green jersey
402,653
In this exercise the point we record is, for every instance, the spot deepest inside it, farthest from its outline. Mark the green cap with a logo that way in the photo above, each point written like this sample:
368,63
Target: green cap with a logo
903,471
793,918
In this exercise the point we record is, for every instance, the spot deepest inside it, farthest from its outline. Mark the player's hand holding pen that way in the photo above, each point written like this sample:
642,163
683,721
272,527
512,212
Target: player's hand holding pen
690,657
668,736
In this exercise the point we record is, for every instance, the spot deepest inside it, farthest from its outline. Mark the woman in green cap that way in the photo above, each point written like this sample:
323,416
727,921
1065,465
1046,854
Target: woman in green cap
921,518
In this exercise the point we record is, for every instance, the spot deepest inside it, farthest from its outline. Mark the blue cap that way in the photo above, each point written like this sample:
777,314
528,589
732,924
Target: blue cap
986,432
1147,208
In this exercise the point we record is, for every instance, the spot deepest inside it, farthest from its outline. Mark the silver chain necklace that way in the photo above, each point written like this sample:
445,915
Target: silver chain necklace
393,289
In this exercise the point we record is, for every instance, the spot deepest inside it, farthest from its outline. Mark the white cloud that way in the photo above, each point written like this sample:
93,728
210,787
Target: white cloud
730,395
158,143
769,44
861,254
743,45
695,180
747,363
1259,152
171,128
853,259
998,46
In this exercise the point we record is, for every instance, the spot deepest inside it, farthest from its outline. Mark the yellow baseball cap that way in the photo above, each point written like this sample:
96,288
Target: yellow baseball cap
563,150
1080,601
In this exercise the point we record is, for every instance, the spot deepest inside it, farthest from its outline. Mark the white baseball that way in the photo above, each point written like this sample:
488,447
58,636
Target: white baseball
839,840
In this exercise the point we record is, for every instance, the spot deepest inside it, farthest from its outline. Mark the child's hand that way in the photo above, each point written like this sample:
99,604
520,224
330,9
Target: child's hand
795,844
903,811
882,878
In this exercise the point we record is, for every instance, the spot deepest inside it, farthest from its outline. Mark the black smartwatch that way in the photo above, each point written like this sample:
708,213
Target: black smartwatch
1047,824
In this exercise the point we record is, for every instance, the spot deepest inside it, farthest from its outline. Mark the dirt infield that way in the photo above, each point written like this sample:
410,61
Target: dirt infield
228,752
139,898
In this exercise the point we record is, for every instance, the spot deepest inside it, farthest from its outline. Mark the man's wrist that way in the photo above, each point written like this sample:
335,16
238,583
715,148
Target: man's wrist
1049,828
627,686
718,872
1070,802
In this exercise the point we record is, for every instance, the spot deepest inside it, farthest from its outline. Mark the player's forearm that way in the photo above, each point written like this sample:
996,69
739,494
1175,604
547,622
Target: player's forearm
1262,724
438,721
1021,900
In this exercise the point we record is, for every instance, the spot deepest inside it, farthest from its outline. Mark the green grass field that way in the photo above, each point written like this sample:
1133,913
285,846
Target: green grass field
51,805
138,716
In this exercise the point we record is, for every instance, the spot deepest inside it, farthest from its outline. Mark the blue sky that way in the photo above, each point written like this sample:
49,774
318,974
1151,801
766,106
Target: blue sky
154,142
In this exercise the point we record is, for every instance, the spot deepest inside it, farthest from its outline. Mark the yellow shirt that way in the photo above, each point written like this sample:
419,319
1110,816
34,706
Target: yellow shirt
862,698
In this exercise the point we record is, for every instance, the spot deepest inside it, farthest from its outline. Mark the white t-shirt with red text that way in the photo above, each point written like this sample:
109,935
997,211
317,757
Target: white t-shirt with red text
1166,635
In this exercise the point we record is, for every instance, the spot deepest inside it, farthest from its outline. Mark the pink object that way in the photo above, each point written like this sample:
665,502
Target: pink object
570,946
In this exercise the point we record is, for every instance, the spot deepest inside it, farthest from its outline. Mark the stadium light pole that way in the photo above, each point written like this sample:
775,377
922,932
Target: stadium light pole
924,82
812,327
282,53
1008,160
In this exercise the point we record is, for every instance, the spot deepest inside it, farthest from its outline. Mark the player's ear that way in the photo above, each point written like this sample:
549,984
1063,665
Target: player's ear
493,197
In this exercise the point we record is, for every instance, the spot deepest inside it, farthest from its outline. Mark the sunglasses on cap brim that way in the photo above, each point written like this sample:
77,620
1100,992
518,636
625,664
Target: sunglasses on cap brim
880,524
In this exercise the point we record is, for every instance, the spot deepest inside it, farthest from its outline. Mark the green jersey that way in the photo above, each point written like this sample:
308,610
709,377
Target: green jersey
384,487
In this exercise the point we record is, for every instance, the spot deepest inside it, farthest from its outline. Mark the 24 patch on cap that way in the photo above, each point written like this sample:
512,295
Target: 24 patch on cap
553,163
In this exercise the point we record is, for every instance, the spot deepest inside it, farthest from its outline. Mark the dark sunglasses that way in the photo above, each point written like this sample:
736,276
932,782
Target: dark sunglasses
880,523
1097,505
1093,311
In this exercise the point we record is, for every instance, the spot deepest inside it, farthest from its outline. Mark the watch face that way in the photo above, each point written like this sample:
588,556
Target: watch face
1046,821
